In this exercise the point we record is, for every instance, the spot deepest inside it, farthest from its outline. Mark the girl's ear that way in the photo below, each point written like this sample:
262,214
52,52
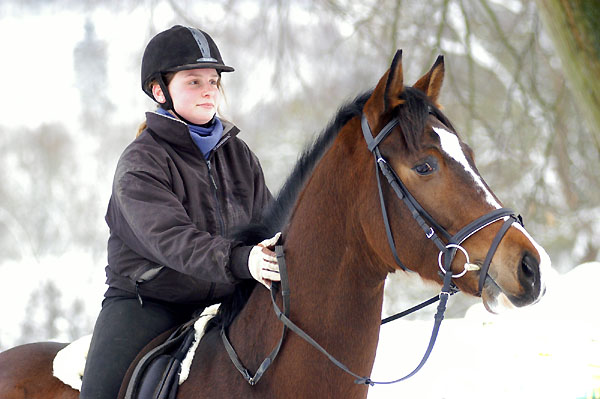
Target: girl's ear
158,94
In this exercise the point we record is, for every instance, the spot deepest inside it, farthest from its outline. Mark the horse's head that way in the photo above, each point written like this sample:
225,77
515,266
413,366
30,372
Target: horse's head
433,165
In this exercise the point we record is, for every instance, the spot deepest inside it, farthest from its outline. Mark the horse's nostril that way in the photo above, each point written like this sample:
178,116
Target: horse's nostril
529,268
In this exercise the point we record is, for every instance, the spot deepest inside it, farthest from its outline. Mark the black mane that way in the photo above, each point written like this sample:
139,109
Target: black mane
412,115
275,216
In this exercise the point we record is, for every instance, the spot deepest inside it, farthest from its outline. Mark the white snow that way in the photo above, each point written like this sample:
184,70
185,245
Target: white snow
77,276
550,350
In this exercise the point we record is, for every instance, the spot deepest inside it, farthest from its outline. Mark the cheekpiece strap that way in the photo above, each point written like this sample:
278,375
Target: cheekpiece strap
373,142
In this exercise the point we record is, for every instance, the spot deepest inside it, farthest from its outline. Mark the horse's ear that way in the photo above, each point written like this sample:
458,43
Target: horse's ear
431,82
395,83
387,93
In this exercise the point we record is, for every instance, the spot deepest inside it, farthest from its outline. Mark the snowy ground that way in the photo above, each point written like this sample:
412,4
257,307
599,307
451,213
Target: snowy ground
551,350
76,276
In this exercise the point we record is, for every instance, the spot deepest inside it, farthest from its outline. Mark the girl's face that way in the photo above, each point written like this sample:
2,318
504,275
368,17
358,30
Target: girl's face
195,94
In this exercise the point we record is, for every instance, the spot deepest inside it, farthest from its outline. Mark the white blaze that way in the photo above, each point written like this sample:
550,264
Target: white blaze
451,146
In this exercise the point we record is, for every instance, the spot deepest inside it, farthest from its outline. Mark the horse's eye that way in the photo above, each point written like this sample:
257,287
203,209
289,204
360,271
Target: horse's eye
425,168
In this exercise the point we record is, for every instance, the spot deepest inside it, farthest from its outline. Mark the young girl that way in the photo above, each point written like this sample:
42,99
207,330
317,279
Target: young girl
178,190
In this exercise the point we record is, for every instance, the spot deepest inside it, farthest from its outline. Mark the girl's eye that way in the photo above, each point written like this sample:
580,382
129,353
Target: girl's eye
425,168
213,82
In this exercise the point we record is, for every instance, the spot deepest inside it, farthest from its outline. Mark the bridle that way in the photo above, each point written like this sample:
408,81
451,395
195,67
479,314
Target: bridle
432,231
430,226
425,220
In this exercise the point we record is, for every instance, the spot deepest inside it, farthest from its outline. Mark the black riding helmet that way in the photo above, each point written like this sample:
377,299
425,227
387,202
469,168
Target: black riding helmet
178,49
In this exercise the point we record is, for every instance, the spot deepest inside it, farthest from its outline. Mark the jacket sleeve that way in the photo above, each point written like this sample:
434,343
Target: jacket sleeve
262,195
146,214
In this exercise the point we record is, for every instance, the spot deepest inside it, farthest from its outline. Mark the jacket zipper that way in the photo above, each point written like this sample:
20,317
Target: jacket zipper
219,216
215,194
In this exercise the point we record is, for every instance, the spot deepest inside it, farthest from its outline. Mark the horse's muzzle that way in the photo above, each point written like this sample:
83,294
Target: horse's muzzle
530,279
529,291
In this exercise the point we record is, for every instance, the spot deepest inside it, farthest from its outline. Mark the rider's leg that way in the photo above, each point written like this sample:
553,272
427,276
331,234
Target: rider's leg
123,328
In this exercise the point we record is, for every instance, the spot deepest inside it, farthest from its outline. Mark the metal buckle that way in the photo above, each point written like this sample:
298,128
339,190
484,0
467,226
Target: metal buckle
444,293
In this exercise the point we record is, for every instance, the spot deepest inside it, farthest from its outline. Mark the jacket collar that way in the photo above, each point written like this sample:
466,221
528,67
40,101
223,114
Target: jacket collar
176,132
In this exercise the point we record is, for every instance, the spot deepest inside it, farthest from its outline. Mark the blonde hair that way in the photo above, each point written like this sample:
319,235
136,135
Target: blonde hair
167,78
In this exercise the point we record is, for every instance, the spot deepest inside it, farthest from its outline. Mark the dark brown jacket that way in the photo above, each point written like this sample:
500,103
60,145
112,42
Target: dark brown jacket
171,210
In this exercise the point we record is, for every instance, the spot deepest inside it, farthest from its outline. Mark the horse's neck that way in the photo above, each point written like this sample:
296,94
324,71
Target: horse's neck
336,296
337,293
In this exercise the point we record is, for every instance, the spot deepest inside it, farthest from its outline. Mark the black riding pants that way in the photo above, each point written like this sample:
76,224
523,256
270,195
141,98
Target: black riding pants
122,329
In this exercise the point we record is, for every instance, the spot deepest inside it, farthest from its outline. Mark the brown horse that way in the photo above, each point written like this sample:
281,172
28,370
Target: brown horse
338,255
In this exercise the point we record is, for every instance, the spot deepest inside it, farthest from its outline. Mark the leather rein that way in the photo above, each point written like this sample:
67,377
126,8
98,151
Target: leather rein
431,229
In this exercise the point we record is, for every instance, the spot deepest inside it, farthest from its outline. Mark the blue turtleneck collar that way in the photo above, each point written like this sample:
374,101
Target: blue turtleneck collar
205,136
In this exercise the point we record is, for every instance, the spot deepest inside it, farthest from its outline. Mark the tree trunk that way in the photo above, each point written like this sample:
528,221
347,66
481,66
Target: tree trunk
574,26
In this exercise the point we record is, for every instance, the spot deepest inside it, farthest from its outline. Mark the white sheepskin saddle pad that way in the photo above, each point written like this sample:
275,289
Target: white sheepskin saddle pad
69,363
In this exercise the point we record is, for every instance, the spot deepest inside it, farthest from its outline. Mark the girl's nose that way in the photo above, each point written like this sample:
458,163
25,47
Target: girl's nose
206,92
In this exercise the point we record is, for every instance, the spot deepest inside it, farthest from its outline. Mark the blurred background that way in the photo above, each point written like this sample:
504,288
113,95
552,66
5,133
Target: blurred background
522,89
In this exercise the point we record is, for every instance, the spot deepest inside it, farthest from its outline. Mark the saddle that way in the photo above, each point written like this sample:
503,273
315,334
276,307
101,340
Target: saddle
159,372
156,375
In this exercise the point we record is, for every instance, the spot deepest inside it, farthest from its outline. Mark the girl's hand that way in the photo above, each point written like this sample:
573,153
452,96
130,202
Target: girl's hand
262,262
